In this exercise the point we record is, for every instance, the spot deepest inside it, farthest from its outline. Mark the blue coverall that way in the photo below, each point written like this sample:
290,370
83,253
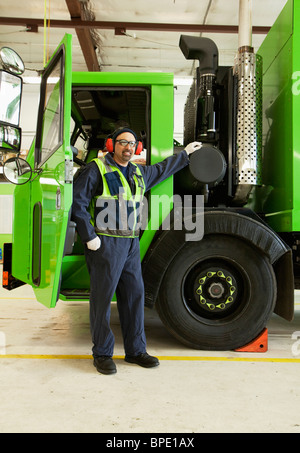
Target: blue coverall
116,266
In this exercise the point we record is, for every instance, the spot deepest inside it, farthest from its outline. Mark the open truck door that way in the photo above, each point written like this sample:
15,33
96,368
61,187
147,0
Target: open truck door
42,206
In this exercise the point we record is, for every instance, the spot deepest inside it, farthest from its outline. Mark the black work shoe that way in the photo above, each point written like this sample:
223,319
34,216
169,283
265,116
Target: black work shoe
145,360
105,365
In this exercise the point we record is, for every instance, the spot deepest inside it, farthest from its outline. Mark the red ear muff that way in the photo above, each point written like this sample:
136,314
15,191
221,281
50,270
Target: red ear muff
139,148
109,145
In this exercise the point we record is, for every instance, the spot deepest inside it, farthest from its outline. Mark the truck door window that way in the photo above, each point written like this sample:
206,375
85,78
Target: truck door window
50,118
101,110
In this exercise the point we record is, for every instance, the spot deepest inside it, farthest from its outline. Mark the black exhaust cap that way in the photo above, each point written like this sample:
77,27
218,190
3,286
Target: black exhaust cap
202,49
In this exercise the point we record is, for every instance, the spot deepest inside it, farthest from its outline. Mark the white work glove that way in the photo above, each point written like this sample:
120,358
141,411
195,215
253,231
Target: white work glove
191,147
94,244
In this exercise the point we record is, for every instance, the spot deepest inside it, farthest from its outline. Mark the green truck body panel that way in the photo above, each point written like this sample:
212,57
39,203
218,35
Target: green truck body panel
279,197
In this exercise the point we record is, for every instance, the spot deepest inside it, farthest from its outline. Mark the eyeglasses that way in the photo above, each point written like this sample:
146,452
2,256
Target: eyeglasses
126,142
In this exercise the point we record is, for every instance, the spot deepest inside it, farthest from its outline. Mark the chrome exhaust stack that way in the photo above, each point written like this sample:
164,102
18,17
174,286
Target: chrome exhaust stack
248,73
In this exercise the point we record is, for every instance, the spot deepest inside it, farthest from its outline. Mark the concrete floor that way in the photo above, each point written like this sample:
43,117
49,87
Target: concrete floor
48,383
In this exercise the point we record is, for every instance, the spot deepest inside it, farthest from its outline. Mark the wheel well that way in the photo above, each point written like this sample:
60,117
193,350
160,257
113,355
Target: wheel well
241,223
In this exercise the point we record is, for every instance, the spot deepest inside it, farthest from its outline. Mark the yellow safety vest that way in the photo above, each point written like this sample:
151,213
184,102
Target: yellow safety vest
117,212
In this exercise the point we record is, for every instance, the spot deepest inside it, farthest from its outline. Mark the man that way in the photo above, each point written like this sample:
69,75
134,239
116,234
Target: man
112,247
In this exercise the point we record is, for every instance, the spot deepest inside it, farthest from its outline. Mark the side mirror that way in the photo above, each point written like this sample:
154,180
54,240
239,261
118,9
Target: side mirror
17,171
10,138
11,61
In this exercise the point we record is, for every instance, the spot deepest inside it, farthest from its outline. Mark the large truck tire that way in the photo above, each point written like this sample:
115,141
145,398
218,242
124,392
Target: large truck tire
217,294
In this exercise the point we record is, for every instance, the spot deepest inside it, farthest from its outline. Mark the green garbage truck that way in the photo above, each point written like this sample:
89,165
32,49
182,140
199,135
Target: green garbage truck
215,290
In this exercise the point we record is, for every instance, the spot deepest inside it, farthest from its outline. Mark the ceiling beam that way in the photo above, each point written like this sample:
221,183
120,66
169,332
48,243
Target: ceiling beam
83,35
78,23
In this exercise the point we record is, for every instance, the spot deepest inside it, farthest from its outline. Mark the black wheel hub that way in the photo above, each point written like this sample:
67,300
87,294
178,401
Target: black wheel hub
213,289
217,290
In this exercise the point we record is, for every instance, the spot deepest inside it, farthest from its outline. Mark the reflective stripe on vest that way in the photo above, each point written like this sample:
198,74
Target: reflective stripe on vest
116,212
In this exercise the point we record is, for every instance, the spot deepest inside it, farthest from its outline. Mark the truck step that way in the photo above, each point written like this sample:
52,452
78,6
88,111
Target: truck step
75,294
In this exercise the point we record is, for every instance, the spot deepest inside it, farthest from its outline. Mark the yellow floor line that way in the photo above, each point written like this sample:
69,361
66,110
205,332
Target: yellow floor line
162,358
